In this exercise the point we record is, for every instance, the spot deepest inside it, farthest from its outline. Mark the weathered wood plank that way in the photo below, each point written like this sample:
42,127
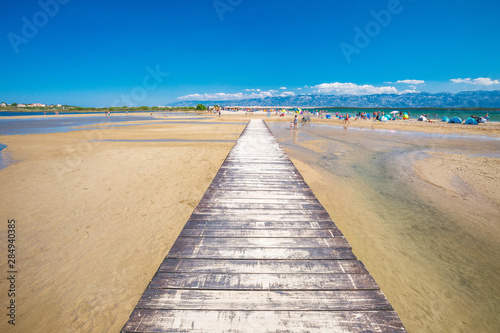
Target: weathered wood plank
248,217
260,233
261,253
252,281
277,213
326,242
174,299
227,224
260,194
281,206
198,321
259,200
262,266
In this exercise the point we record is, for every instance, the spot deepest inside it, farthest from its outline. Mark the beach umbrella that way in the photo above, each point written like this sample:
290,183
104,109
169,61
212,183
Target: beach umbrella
393,112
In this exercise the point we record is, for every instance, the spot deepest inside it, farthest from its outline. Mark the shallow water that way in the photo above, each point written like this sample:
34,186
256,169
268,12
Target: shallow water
437,271
164,140
44,125
5,160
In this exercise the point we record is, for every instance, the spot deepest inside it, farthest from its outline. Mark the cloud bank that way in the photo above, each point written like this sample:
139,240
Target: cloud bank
480,81
412,82
353,89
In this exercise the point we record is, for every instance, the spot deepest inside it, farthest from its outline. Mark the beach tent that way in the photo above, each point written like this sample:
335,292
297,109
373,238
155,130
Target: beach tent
471,121
445,119
384,118
482,120
406,116
455,120
422,118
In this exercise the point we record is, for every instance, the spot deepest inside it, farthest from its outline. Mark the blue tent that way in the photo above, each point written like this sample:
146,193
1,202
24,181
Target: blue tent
445,119
471,121
455,120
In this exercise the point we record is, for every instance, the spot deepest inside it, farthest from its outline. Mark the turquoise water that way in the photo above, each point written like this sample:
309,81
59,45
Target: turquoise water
415,113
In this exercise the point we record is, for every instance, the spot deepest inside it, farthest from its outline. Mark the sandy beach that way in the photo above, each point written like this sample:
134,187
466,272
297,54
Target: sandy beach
96,212
95,219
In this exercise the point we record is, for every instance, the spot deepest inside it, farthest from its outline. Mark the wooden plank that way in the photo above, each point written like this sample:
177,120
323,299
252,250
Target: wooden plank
292,200
327,242
327,300
239,205
277,213
261,194
262,266
259,233
261,253
247,217
253,281
198,321
227,224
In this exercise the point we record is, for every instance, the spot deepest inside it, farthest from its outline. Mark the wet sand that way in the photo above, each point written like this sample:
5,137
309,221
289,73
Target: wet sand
96,217
421,211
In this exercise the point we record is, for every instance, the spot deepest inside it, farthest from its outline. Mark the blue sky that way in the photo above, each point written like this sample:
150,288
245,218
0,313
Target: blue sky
95,53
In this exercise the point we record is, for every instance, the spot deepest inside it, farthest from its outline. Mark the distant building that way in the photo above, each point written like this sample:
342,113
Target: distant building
36,105
3,105
21,105
59,105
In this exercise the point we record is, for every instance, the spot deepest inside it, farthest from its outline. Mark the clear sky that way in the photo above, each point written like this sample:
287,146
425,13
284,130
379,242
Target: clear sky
102,53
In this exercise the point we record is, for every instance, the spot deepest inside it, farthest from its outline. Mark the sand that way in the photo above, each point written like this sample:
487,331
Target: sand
423,221
95,219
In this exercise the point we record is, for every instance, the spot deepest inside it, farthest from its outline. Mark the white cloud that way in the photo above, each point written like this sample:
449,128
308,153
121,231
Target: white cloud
256,93
287,93
408,91
480,81
284,88
413,82
353,89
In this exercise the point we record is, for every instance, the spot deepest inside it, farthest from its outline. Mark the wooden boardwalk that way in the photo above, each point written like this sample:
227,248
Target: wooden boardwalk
261,254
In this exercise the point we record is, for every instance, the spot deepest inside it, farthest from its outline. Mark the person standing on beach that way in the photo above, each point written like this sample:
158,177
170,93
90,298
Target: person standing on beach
296,122
346,119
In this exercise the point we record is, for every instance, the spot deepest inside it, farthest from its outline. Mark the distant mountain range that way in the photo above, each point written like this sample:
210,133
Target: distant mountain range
464,99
